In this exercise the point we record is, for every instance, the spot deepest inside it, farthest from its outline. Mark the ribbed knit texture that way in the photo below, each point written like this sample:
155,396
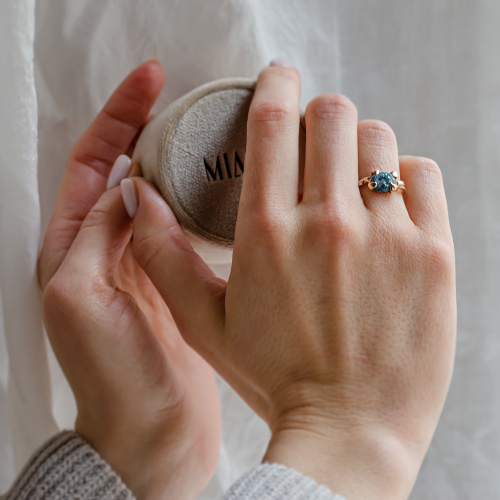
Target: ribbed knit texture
277,482
67,468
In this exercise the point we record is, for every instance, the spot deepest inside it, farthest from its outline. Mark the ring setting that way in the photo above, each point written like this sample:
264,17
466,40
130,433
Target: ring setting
383,182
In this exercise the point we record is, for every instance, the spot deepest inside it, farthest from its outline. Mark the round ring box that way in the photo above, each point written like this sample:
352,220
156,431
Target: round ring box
194,153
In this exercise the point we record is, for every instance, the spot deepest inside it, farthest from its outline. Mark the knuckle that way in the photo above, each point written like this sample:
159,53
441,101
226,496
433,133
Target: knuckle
425,169
376,131
268,230
271,72
429,167
75,289
93,219
273,112
57,298
149,248
439,256
333,227
330,107
100,213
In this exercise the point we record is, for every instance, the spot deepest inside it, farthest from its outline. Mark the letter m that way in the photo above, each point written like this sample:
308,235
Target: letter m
213,173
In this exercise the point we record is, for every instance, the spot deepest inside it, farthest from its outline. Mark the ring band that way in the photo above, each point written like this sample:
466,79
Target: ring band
383,182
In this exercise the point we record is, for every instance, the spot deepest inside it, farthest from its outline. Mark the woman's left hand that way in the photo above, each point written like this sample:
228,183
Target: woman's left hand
146,401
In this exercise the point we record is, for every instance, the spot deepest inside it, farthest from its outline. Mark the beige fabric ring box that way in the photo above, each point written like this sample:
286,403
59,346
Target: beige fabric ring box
194,153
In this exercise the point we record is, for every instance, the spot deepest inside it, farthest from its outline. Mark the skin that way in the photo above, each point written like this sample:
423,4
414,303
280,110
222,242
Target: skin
338,322
146,401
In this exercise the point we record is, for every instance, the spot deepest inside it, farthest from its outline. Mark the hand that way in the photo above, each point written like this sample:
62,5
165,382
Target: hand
338,322
146,401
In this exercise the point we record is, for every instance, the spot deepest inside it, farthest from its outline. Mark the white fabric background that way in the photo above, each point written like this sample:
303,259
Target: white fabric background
430,68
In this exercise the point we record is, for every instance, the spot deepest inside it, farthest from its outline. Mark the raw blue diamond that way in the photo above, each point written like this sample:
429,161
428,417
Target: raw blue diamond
383,180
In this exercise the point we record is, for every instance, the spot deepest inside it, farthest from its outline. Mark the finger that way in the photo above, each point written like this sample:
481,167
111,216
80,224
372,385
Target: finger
192,292
101,241
331,150
116,126
109,332
425,197
88,166
378,150
132,145
272,155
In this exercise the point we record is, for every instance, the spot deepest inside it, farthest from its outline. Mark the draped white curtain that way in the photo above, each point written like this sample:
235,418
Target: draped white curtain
430,68
25,395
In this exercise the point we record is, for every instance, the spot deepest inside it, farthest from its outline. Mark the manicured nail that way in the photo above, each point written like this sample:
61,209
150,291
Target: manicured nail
119,171
129,197
281,61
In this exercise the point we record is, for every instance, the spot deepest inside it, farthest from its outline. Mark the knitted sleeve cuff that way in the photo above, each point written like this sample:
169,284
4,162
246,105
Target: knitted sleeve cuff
277,482
67,467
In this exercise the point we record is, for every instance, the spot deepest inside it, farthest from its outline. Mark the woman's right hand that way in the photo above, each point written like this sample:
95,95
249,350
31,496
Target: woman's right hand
146,401
338,321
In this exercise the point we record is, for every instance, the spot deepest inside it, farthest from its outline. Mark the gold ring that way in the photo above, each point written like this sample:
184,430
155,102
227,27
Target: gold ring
383,182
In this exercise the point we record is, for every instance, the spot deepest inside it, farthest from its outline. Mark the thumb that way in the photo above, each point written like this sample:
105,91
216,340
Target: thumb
192,292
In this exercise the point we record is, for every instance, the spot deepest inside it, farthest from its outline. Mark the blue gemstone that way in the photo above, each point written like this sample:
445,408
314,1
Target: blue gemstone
383,180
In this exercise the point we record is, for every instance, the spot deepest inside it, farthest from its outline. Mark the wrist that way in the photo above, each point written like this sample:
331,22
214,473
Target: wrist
356,462
154,464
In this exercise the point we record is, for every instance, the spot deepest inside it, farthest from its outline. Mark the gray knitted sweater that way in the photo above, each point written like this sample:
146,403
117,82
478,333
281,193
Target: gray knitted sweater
67,468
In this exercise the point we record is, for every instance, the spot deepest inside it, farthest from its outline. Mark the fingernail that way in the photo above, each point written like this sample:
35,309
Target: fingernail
129,197
281,61
119,171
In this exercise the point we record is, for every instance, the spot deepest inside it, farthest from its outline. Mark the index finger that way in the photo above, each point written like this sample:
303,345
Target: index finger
89,163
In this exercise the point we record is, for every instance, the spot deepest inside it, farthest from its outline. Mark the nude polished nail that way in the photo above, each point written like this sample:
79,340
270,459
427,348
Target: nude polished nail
119,171
129,196
281,61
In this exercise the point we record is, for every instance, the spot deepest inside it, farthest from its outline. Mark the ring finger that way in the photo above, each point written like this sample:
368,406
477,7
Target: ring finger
378,152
